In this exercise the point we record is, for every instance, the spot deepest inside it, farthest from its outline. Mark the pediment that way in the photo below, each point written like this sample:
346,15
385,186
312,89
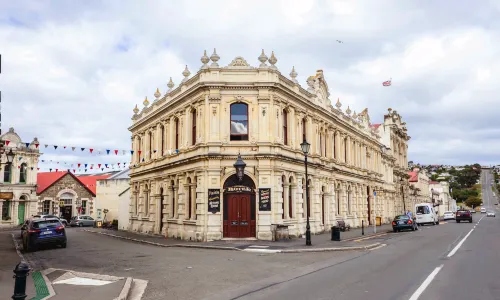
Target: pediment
239,63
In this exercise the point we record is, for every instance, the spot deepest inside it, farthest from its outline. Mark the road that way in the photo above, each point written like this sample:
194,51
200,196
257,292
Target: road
449,261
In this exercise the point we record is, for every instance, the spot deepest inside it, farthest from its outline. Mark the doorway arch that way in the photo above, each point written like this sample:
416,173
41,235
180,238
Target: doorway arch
239,208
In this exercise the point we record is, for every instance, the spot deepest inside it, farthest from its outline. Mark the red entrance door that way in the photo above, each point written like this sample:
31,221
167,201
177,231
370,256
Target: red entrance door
239,223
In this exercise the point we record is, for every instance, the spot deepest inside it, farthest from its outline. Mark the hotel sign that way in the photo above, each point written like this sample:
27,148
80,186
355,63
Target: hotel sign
239,189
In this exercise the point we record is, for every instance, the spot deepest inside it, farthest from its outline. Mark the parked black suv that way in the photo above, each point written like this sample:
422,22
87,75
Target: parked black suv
463,215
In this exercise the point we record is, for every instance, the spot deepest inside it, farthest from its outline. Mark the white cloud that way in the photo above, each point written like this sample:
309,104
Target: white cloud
72,73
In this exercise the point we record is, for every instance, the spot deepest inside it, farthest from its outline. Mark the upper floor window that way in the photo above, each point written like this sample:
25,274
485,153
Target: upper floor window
285,127
150,145
239,122
193,129
176,134
7,172
162,140
22,173
304,132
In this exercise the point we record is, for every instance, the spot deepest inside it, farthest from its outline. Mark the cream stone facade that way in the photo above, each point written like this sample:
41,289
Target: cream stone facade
18,179
108,193
440,196
185,143
419,187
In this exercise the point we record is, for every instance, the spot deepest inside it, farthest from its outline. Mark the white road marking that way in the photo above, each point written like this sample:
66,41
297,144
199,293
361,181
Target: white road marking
262,250
256,246
378,247
426,283
83,281
138,288
452,252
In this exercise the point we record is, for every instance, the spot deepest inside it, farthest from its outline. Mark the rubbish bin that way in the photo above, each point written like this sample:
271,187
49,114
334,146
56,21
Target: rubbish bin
335,233
379,221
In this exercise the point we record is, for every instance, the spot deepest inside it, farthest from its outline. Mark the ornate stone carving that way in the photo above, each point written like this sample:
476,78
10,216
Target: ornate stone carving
214,58
263,59
273,60
238,63
204,60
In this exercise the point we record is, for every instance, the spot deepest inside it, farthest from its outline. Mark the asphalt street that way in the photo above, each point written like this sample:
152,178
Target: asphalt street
448,261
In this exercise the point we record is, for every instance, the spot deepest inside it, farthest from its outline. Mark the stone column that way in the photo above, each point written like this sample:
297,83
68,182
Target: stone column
193,201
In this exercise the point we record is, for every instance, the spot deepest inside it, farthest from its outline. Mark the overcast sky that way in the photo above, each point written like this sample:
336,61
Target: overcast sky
72,71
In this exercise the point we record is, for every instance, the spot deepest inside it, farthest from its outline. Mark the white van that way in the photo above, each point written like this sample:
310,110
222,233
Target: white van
426,214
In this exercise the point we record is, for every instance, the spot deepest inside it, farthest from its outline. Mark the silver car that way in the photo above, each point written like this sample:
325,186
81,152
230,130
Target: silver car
82,221
490,213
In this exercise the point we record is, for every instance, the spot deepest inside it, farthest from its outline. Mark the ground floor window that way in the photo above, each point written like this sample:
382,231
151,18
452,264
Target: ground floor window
6,210
84,207
46,207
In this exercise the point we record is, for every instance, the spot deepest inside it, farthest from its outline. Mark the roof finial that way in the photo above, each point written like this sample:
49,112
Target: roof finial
355,115
204,59
293,75
338,104
186,74
136,110
214,58
273,60
262,58
348,110
170,85
157,94
146,102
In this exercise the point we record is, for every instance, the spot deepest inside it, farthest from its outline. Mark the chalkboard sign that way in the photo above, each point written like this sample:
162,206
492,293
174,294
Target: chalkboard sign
265,199
214,200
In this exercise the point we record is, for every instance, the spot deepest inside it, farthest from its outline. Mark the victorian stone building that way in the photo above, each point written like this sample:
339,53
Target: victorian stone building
184,183
18,197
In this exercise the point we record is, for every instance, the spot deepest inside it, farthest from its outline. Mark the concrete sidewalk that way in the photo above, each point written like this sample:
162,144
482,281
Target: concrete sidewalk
350,240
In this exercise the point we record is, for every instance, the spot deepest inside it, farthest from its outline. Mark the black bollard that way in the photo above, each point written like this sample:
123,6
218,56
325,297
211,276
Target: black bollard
362,227
22,270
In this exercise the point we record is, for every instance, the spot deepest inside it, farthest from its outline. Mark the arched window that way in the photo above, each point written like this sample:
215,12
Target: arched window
46,207
285,127
190,199
283,179
139,151
7,173
23,173
304,131
162,140
345,150
176,134
136,202
6,210
290,200
193,129
349,194
334,145
239,122
338,199
146,200
150,138
323,205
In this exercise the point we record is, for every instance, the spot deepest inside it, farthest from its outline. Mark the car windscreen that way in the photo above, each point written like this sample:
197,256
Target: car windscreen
45,224
423,210
402,218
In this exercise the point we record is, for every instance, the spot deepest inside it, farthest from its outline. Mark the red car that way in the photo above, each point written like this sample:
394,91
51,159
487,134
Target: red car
463,215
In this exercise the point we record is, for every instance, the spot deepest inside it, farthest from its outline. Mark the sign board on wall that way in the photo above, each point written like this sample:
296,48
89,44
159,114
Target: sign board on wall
6,195
265,199
214,200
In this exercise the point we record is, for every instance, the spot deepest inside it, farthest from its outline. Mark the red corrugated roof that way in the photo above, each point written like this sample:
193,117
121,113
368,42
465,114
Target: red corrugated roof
46,179
413,176
376,125
433,182
90,181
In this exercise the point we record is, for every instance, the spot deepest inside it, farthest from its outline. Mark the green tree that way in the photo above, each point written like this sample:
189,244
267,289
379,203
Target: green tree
473,201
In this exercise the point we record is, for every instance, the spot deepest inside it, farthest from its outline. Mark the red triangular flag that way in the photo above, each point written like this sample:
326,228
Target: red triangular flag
99,165
91,150
19,167
74,171
118,164
64,147
7,143
79,165
36,145
38,169
139,152
116,152
56,170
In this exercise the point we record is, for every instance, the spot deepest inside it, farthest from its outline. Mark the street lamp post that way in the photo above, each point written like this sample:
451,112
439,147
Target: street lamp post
305,148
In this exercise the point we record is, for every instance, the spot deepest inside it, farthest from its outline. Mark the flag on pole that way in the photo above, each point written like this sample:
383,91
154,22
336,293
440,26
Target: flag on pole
387,83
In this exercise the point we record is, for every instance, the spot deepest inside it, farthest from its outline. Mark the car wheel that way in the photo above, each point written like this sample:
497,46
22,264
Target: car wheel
413,229
458,221
81,224
63,245
395,230
437,223
470,221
